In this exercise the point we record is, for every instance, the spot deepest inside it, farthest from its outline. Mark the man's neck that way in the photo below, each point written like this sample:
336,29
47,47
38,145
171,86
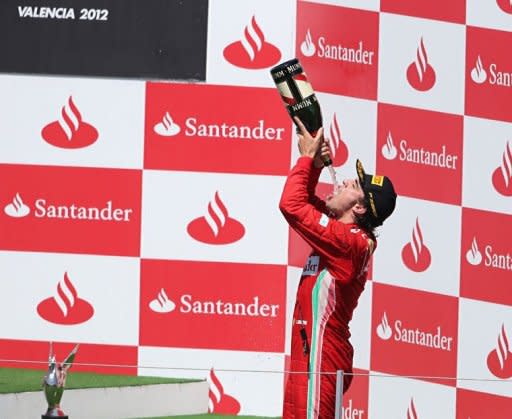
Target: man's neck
347,218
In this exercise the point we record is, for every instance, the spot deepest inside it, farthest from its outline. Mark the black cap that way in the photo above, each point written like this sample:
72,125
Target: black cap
380,193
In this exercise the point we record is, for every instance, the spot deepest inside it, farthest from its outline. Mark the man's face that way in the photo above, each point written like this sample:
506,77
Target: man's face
347,194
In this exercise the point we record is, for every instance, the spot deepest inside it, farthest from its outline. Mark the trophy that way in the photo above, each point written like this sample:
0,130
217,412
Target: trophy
54,382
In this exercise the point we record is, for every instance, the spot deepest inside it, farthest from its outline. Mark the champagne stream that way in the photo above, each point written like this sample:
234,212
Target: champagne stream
333,177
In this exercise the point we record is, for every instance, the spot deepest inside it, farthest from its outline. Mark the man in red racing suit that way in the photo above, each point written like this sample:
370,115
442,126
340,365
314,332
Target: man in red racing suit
340,231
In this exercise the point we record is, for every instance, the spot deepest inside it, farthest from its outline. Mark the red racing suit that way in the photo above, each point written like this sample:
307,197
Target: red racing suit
331,283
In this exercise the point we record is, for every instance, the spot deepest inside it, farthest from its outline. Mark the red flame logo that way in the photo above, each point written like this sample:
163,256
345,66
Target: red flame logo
339,149
252,51
505,5
65,307
218,401
415,254
502,176
71,131
420,73
216,227
411,411
499,361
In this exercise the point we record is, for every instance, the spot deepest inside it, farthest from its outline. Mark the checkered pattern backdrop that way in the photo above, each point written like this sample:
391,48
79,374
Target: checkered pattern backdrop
141,219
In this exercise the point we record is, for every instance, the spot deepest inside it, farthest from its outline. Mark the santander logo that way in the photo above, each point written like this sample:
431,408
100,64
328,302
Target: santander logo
420,73
339,149
216,227
389,150
490,257
415,254
162,303
495,75
44,209
473,255
404,333
70,131
17,208
411,410
502,176
307,47
440,157
65,307
167,127
505,5
499,361
252,51
383,329
218,401
478,73
333,50
188,304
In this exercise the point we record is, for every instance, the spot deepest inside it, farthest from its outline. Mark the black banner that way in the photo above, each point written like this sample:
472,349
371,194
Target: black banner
149,39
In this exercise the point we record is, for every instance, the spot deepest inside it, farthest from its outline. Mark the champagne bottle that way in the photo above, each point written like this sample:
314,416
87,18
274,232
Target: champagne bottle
298,95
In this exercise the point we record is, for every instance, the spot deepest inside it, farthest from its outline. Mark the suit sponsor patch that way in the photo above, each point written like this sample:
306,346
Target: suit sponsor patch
311,267
324,220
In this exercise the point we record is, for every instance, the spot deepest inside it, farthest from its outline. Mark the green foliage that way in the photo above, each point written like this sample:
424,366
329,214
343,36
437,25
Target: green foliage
17,380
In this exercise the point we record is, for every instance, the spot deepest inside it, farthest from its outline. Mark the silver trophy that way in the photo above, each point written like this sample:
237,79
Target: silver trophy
54,382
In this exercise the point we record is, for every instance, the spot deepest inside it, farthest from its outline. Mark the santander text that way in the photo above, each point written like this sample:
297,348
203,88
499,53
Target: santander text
254,309
416,336
242,132
76,212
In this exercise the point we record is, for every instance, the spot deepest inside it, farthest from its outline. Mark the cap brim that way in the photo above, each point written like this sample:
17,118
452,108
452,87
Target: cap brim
360,172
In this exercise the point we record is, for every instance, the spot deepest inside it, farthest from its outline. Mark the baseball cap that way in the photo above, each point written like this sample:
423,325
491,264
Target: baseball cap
380,193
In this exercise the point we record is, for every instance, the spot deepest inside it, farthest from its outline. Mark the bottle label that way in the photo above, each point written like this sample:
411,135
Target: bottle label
294,91
303,86
286,93
303,104
286,71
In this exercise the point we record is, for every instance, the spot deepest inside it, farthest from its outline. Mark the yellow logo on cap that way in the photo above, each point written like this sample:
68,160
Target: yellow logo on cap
377,180
372,205
360,170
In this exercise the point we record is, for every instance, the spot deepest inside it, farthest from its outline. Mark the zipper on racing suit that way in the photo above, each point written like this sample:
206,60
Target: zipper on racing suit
303,334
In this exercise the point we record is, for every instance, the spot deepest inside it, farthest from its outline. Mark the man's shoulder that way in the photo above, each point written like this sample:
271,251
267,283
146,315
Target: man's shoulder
362,240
